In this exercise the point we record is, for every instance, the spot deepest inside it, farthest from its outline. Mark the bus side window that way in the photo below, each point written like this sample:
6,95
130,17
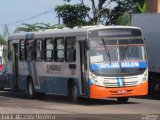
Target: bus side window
48,49
70,49
29,49
38,50
59,50
9,51
22,50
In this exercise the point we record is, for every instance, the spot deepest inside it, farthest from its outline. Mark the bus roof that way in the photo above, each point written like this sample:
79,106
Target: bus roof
76,30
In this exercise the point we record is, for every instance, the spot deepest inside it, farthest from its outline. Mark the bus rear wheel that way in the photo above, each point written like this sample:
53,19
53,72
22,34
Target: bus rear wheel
123,99
73,93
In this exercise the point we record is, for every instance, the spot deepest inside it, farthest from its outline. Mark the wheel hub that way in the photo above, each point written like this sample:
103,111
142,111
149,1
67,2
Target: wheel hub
30,89
157,87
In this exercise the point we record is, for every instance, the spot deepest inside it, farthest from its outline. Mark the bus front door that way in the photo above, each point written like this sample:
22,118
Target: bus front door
15,66
83,66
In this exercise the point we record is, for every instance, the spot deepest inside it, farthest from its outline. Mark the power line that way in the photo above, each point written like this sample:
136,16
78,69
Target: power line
26,19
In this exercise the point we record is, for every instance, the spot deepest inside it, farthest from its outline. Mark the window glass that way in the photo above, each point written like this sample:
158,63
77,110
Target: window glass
9,50
59,52
22,50
70,49
48,52
38,49
29,50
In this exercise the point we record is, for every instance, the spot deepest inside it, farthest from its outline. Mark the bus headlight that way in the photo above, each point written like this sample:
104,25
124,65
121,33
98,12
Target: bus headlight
96,80
145,76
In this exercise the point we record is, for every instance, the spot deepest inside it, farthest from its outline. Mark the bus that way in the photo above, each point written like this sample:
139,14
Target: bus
95,62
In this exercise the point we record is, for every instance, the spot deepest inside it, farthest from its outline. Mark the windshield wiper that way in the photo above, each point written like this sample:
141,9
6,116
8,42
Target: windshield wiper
106,50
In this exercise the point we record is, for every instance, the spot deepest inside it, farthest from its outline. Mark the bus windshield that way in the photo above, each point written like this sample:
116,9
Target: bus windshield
117,56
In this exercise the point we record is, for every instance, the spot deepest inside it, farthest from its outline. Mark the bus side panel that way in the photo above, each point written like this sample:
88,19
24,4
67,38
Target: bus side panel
23,75
10,80
23,82
61,85
54,85
46,84
10,74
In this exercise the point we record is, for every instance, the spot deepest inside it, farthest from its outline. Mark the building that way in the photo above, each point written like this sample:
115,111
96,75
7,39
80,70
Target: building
153,6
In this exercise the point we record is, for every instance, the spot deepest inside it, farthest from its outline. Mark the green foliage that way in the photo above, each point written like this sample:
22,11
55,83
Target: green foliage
142,9
73,15
100,12
130,6
124,19
5,54
4,35
36,27
3,41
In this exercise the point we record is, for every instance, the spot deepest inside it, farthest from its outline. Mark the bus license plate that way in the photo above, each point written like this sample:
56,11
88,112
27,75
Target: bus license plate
121,91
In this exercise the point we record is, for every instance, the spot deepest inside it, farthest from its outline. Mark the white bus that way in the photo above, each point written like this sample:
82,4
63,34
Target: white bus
94,62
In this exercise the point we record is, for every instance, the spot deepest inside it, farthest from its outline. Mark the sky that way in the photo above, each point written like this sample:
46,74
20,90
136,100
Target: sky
17,10
13,11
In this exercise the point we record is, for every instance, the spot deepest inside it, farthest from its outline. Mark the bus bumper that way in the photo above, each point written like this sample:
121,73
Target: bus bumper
98,92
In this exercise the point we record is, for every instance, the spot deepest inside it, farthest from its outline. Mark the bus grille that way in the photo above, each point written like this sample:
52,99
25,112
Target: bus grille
115,83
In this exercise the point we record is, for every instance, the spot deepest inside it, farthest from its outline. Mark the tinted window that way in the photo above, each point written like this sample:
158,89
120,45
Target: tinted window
9,50
70,49
22,50
29,50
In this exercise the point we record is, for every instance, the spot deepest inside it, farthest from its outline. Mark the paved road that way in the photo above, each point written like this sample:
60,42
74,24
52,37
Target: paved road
19,103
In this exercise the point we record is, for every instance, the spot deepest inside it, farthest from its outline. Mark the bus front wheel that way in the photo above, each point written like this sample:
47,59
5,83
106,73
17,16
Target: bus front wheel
73,93
1,88
31,89
123,100
156,89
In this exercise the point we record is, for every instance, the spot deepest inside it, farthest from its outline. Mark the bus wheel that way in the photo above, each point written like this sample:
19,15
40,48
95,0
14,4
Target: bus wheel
1,88
73,93
156,90
123,99
31,89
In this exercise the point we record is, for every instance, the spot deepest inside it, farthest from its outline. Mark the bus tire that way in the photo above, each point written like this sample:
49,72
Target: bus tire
156,89
123,99
31,89
73,93
1,88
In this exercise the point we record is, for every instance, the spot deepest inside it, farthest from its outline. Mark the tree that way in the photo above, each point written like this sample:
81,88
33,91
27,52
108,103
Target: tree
36,27
143,8
3,42
125,18
101,13
73,15
123,6
4,36
98,11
